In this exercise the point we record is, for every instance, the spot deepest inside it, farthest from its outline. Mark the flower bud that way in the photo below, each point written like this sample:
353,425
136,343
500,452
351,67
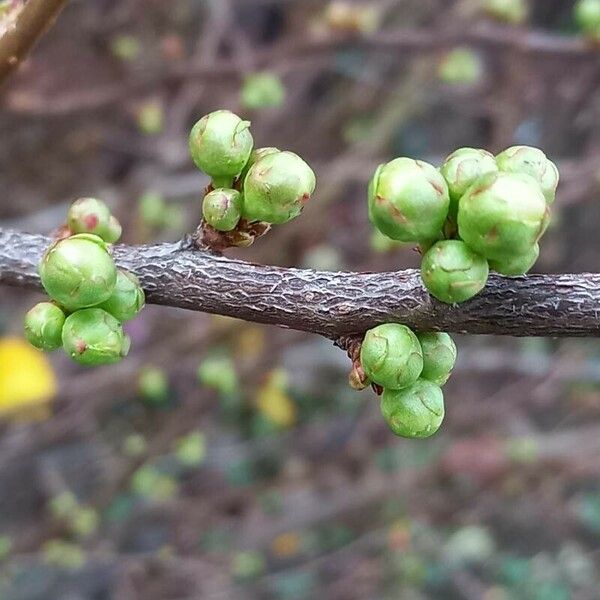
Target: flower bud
262,90
43,326
462,168
222,209
220,144
414,412
277,187
89,215
532,162
408,200
452,272
502,215
460,66
391,356
93,337
513,12
516,265
439,356
127,299
255,156
587,16
78,272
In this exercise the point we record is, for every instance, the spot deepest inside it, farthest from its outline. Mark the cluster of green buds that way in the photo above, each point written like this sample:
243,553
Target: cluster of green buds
264,185
513,12
90,297
587,16
410,370
477,212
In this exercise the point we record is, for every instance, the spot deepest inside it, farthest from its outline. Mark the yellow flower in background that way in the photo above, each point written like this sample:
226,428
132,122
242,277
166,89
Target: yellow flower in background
27,381
273,401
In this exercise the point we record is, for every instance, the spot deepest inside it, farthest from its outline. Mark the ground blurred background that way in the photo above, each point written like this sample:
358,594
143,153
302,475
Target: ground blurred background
229,460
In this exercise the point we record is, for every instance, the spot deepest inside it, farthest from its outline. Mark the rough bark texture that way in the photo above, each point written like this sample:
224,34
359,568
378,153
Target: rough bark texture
332,304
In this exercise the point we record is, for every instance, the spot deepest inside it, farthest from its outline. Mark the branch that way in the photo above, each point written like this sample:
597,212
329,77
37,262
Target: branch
332,304
31,23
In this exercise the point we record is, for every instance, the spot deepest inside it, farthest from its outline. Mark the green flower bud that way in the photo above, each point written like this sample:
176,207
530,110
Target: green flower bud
277,187
414,412
43,326
462,168
127,299
262,90
408,200
587,16
255,156
533,162
508,11
439,356
78,272
516,265
502,215
89,215
220,145
391,356
452,272
113,232
222,209
460,66
93,337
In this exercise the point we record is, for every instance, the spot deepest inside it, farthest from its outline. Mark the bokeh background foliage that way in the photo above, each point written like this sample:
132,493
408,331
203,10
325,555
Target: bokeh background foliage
224,459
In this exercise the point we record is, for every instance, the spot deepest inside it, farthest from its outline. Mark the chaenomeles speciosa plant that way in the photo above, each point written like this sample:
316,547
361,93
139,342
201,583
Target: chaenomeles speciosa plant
476,213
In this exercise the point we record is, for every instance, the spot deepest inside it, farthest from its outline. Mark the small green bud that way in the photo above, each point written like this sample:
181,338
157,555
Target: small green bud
127,299
516,265
408,200
414,412
277,187
43,326
391,356
113,232
93,337
220,145
452,272
439,356
513,12
532,162
255,156
460,66
462,168
90,215
502,215
222,209
79,271
262,90
587,16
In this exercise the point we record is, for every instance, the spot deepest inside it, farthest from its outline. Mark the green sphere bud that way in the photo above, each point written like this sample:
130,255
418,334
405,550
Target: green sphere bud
220,144
222,209
90,215
78,272
460,66
502,215
277,187
414,412
452,272
93,337
127,299
262,90
439,356
408,200
462,168
43,326
587,16
516,265
532,162
391,356
513,12
113,232
255,156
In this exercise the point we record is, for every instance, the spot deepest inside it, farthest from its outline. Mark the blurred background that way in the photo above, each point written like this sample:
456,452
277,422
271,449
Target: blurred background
224,459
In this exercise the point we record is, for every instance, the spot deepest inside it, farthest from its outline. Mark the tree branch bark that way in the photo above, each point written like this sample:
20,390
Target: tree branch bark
332,304
30,24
